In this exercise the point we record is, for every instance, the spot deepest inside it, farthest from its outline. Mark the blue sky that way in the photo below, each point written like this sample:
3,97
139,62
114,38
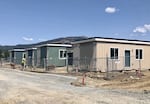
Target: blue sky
31,21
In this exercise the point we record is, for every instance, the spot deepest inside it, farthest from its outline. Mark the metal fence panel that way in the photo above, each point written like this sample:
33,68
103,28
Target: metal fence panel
102,64
105,64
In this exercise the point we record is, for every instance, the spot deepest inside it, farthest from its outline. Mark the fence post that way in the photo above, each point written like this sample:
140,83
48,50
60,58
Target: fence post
84,59
139,71
107,59
44,64
78,65
83,78
67,64
32,63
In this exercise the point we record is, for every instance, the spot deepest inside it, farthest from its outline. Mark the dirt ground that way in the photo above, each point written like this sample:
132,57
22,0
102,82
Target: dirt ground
37,96
22,87
33,88
128,80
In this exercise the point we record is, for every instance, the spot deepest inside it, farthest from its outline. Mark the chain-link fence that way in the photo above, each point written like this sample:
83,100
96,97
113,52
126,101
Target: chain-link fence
4,62
105,64
102,64
35,64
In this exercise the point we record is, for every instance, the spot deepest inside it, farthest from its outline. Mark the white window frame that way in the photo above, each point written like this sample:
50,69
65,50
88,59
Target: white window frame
139,54
64,52
114,53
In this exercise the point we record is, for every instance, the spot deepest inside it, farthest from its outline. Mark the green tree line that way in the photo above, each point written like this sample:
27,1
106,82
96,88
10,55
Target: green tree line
4,53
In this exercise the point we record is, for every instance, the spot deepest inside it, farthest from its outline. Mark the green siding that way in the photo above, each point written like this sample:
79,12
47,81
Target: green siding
18,57
43,55
29,57
35,57
53,56
50,55
32,57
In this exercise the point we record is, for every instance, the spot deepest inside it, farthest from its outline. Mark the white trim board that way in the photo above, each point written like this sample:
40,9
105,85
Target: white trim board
18,50
112,40
30,49
57,45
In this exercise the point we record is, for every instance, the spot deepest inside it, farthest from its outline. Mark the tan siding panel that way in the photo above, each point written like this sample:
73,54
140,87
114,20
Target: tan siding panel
103,51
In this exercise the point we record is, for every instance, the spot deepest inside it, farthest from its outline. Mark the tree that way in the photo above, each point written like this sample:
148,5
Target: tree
1,54
6,54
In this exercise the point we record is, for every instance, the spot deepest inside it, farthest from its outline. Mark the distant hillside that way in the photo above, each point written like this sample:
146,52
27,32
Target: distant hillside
62,40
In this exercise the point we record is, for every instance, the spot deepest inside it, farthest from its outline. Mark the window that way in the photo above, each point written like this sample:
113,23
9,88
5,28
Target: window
62,54
114,53
139,54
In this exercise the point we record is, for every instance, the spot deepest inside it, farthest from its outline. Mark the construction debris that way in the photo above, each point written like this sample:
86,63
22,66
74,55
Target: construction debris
123,80
146,91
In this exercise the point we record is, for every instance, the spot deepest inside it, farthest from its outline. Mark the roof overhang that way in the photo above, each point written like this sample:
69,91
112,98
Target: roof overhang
18,50
54,45
30,49
109,40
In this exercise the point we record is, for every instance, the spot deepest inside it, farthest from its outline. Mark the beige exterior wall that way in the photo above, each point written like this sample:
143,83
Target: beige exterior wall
95,56
103,51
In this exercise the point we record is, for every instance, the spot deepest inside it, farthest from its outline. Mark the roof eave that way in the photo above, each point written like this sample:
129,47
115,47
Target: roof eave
111,40
57,45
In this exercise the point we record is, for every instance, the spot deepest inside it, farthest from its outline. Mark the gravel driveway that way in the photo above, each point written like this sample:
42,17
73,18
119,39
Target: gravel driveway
18,87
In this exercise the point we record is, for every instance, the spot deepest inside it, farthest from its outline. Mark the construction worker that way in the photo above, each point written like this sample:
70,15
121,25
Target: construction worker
23,63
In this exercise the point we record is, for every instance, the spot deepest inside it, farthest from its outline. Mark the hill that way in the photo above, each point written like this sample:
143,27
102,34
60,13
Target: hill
62,40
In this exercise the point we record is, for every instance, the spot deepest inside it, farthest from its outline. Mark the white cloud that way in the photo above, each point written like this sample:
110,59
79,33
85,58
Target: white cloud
147,27
142,29
110,10
27,39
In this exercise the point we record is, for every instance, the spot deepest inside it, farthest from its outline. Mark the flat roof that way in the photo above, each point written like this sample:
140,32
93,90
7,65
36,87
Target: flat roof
113,40
18,50
30,49
56,45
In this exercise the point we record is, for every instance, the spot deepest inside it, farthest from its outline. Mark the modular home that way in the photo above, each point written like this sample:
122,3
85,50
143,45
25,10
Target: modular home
31,57
16,55
52,54
107,54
